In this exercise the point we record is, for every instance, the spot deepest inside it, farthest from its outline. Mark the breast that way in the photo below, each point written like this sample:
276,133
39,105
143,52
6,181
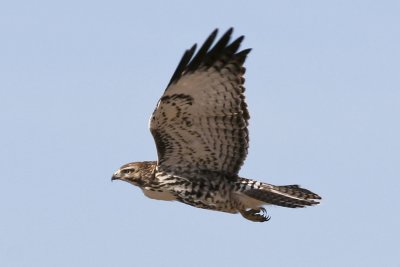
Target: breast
164,195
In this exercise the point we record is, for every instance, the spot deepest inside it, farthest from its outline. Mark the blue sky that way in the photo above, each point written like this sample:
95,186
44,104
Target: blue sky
79,80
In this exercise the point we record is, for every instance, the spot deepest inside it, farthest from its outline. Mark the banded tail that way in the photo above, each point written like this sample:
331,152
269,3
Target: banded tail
290,196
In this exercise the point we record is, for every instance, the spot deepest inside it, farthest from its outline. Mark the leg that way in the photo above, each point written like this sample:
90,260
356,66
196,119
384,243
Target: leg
256,215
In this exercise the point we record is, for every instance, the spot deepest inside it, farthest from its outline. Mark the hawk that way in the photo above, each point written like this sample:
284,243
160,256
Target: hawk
200,129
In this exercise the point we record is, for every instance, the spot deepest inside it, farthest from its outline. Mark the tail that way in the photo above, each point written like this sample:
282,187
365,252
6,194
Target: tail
290,196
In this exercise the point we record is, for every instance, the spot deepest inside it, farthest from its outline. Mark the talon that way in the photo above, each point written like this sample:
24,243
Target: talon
256,215
265,215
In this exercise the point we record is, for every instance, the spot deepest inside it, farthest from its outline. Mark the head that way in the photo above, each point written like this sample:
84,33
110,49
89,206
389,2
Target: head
135,173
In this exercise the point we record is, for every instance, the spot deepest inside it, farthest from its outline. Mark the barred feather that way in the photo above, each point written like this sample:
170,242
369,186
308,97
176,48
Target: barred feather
290,196
200,128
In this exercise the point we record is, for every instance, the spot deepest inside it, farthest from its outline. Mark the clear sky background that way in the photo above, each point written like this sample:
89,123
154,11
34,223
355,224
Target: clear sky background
79,80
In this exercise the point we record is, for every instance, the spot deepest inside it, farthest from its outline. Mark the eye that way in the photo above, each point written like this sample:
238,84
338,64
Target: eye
127,171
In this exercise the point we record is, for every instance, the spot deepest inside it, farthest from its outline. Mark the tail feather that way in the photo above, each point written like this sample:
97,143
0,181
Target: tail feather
291,196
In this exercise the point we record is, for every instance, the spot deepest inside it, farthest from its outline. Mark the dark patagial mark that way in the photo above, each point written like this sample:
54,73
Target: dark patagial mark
186,99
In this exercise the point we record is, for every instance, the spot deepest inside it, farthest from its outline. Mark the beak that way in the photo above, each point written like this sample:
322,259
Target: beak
116,176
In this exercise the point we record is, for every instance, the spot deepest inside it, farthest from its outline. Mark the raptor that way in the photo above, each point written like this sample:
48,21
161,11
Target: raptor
200,129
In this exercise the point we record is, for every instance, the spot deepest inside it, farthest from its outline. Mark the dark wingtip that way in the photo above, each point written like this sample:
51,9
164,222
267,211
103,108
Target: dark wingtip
214,32
207,55
187,56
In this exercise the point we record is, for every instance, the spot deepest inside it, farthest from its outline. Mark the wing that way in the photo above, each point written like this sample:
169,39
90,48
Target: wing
200,123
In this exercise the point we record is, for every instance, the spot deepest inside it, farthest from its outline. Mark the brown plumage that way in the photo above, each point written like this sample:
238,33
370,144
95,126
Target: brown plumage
200,130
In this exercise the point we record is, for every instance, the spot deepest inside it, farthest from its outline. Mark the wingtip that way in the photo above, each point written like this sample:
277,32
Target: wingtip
192,49
214,32
228,34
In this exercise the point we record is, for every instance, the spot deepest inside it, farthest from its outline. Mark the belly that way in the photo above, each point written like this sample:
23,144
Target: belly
163,195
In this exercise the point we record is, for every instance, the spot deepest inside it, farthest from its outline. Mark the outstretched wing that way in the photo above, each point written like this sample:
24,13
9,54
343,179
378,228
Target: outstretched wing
200,123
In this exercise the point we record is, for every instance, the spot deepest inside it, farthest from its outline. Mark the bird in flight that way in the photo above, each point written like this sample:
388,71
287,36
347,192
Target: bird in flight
200,129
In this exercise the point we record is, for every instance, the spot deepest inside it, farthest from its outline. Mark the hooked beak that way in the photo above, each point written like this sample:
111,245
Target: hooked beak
116,176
